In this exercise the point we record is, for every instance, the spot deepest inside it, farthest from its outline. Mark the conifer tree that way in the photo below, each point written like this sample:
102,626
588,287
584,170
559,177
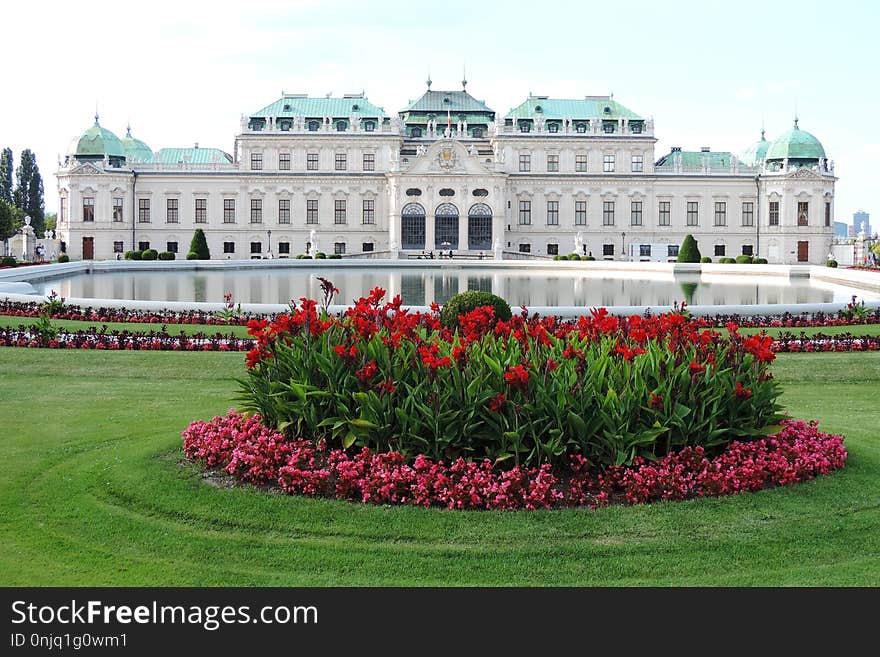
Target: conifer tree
28,195
6,166
689,251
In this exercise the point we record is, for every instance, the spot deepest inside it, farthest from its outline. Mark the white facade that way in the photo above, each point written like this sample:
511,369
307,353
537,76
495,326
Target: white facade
347,189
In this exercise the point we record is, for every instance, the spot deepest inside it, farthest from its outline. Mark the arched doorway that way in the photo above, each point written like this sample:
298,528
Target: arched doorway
412,227
480,227
446,227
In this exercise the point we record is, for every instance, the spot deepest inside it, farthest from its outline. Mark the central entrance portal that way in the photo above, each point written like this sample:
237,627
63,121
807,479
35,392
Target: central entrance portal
446,227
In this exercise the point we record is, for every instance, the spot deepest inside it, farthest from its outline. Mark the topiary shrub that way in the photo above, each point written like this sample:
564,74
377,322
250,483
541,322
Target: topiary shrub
303,256
8,261
727,261
760,261
573,256
587,258
705,259
199,246
192,256
559,257
64,258
689,251
320,255
744,260
831,263
150,254
132,255
335,256
167,255
465,302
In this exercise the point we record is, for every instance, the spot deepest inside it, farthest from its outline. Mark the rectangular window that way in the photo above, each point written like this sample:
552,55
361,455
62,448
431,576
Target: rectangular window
748,213
312,211
608,163
172,206
118,247
284,248
369,162
552,213
552,163
118,210
229,211
143,210
201,210
774,213
367,247
636,213
341,161
256,161
62,214
171,247
644,250
256,210
284,161
284,211
580,163
339,248
663,217
256,248
369,211
580,213
638,163
525,248
525,213
552,249
672,251
525,162
339,212
608,213
720,213
693,213
803,213
719,250
143,246
827,213
228,247
311,162
748,249
607,250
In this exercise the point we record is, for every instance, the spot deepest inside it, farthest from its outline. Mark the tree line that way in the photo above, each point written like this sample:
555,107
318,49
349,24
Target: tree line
21,194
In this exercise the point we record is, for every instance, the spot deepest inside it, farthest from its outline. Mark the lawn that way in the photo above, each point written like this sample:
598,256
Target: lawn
93,493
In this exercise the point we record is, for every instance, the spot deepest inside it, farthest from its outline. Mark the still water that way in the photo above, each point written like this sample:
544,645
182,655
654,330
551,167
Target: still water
532,287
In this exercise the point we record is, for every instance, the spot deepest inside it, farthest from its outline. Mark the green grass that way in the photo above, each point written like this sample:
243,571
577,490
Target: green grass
93,493
173,329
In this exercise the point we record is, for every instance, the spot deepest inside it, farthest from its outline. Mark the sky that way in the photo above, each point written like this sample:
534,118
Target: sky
709,73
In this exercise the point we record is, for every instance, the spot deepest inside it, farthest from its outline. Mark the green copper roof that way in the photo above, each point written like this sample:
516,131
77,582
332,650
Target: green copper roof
193,155
756,153
98,141
598,107
294,105
696,159
796,144
438,102
136,151
472,119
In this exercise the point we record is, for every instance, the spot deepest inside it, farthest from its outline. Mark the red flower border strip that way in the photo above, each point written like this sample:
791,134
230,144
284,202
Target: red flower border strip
252,453
28,336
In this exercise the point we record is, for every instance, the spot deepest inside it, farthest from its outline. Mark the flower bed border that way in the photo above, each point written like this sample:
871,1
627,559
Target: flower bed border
243,447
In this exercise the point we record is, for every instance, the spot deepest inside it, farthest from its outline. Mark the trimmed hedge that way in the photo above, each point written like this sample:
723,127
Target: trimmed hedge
465,302
192,256
167,255
64,258
199,246
150,254
831,263
133,255
705,259
689,252
8,261
727,261
744,260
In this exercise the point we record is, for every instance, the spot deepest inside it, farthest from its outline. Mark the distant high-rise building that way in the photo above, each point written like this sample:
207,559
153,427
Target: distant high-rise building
861,222
841,229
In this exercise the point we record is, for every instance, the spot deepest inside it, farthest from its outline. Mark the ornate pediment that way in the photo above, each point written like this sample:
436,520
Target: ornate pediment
805,173
448,157
86,169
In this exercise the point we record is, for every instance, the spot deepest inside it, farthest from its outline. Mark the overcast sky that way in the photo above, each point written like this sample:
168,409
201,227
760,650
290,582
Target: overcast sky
708,72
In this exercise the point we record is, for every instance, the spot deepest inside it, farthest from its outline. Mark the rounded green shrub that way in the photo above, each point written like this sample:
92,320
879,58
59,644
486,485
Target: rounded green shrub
64,258
587,258
167,255
689,251
744,260
573,256
335,256
320,255
192,255
727,261
465,302
133,255
303,256
8,261
705,259
150,254
831,263
760,261
559,257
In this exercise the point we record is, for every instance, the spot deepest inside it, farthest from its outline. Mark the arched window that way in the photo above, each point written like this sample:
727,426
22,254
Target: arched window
341,126
581,127
524,126
552,127
480,227
477,133
412,226
446,226
314,126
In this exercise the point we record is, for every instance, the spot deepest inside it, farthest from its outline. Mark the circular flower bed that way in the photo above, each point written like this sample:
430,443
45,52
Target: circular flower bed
246,449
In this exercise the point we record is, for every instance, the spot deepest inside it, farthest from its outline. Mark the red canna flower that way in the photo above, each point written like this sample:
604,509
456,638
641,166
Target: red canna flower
656,401
496,403
740,392
696,368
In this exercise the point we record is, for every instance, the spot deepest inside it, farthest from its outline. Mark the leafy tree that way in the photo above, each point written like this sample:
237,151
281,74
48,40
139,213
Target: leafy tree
199,246
11,219
6,166
28,195
689,251
51,221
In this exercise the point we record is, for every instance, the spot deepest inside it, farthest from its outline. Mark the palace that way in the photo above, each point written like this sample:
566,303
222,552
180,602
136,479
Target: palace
551,177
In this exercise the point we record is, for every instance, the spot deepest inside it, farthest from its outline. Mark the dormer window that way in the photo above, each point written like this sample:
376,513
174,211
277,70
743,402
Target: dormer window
314,126
524,126
287,107
581,127
340,126
608,127
635,128
285,125
355,107
369,126
539,109
552,127
607,110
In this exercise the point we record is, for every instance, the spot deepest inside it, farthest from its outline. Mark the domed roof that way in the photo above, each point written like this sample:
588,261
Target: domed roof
97,142
756,153
136,151
796,144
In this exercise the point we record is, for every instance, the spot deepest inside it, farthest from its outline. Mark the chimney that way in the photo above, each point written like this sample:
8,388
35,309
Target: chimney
197,144
704,149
